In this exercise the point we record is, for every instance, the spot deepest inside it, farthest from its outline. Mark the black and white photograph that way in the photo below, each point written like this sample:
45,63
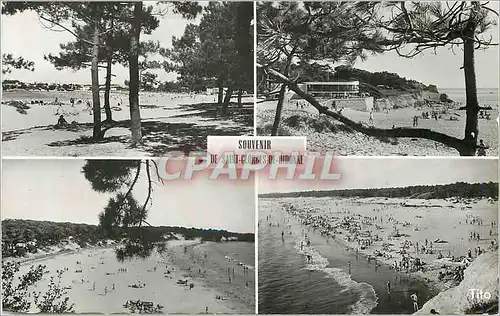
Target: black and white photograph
380,78
420,236
108,236
124,79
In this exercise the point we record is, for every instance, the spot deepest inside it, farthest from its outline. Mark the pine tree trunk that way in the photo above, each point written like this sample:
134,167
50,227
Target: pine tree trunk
227,99
240,93
279,108
281,97
107,90
472,104
109,64
135,114
220,93
96,102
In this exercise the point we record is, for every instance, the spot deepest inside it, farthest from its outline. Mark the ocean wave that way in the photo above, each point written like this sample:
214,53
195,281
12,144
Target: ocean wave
367,298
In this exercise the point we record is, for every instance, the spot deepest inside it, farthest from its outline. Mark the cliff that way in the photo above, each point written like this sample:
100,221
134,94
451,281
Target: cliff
482,274
401,99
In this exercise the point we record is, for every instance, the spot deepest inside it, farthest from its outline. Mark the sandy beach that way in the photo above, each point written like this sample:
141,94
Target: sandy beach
326,134
97,282
383,231
170,122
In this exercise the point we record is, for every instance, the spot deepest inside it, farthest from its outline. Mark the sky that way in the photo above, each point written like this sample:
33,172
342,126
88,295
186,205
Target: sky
365,173
443,68
24,35
56,190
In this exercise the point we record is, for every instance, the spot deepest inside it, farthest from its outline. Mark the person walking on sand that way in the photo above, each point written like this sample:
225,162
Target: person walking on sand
206,309
370,120
388,287
481,151
93,286
414,299
349,267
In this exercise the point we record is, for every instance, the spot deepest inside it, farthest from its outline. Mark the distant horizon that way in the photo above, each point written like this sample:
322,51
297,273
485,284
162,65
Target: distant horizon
62,193
83,223
123,85
101,83
383,172
376,188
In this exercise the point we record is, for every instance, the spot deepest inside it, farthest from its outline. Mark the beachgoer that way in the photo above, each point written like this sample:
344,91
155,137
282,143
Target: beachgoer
206,309
388,287
370,120
349,267
61,121
414,298
481,151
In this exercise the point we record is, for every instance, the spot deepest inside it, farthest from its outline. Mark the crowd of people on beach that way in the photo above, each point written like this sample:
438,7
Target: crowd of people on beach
167,261
360,233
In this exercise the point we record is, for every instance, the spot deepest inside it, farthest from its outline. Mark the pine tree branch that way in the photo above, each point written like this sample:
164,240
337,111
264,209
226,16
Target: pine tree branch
149,193
68,30
157,171
133,182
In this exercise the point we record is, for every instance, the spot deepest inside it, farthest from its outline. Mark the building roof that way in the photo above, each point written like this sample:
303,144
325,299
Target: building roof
346,83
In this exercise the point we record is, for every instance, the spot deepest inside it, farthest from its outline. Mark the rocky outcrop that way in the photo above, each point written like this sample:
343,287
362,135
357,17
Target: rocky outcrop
481,275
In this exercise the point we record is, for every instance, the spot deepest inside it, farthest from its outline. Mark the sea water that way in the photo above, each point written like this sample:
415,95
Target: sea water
485,96
288,284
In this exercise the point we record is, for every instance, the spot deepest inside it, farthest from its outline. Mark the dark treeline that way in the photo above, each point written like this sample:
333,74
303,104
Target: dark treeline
459,190
383,78
20,236
317,72
157,233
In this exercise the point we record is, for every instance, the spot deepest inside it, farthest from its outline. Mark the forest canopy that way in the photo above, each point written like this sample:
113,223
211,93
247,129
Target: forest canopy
455,190
47,233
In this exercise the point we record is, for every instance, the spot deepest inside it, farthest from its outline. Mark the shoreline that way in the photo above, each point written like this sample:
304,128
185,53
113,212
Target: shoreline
318,222
202,265
100,267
